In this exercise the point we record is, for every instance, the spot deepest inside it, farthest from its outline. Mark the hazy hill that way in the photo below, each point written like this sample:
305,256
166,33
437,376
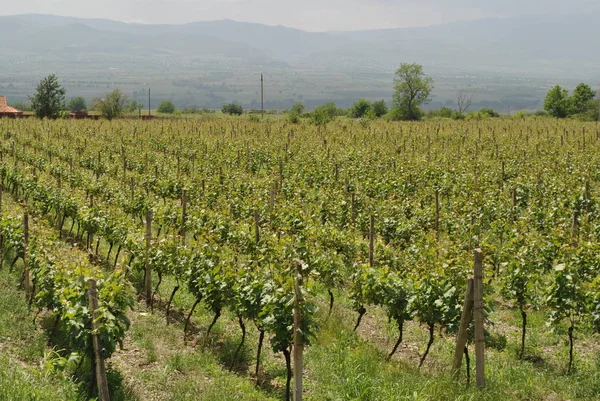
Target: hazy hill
506,61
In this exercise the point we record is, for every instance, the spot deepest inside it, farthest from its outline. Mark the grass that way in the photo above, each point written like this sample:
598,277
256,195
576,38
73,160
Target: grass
22,350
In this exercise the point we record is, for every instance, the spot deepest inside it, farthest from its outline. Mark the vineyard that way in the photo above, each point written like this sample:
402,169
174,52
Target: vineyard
187,249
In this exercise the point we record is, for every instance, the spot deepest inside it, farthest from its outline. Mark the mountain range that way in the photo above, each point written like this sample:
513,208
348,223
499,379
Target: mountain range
504,62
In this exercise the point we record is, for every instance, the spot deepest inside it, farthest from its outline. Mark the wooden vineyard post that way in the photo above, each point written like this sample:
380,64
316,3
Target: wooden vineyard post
256,228
575,228
371,240
479,319
148,274
183,215
298,341
101,379
353,211
27,277
437,215
465,320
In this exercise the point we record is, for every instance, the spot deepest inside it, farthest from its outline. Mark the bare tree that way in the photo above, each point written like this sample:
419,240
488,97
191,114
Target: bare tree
463,100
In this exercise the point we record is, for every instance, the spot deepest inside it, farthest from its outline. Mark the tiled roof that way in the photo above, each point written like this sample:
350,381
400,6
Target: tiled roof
4,108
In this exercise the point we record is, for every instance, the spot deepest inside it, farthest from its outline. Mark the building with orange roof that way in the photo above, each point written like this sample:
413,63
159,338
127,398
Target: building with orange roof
7,111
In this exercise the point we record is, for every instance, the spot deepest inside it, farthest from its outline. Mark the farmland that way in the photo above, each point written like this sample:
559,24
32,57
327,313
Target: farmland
195,230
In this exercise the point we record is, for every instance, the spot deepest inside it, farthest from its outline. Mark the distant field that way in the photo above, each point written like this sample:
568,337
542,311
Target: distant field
283,86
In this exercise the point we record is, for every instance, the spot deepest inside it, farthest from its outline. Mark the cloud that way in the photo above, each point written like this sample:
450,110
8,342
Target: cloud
314,15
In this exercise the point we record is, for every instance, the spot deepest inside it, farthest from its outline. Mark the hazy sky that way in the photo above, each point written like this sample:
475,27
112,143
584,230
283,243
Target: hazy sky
313,15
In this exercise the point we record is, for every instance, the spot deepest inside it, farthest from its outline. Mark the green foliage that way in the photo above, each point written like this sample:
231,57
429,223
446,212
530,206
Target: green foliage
412,88
443,112
49,98
483,114
134,107
232,109
581,99
324,113
166,106
557,102
293,117
360,108
379,108
298,108
401,113
489,112
112,105
580,105
77,104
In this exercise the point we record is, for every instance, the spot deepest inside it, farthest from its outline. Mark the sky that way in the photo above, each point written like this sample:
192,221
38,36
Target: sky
311,15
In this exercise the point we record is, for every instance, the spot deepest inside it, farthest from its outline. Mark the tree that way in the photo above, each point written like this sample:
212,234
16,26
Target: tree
166,106
113,104
379,108
232,108
298,108
463,101
360,108
77,104
412,88
557,102
134,106
49,99
324,113
582,98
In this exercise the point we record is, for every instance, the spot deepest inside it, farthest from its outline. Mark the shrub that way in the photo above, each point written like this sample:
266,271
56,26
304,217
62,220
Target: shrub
298,108
490,112
293,117
379,108
232,109
324,114
360,108
77,104
166,106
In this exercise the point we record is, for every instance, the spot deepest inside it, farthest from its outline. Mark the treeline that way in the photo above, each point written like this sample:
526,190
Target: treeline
412,89
582,104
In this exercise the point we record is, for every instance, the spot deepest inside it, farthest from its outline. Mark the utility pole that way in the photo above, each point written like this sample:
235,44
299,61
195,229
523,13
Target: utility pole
148,102
262,97
598,98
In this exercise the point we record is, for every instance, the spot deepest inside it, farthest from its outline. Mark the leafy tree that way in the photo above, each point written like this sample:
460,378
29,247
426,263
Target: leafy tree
113,104
135,106
412,88
298,108
232,108
360,108
49,99
379,108
580,100
166,106
557,102
77,104
324,113
293,117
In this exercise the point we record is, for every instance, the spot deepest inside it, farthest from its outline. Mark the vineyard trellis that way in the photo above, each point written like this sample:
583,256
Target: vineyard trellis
391,214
